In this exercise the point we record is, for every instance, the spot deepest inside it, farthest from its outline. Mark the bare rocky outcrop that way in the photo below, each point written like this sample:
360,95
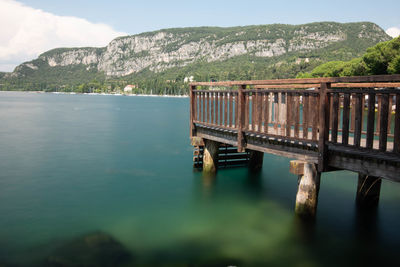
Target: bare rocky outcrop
158,51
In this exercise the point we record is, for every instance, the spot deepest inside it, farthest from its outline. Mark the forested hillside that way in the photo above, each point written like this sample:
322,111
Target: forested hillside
383,58
161,61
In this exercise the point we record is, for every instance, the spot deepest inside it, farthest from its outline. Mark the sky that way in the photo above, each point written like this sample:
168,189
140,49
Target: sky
31,27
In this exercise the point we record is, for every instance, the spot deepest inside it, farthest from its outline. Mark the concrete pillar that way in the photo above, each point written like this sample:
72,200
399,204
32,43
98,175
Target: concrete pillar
210,156
255,160
307,193
368,190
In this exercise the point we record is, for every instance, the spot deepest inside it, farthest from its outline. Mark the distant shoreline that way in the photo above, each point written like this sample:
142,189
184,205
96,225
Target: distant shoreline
102,94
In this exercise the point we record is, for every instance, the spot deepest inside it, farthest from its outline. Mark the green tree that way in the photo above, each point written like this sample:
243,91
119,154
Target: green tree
383,58
394,65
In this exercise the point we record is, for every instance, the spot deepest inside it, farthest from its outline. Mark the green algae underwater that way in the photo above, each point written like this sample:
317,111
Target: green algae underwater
108,181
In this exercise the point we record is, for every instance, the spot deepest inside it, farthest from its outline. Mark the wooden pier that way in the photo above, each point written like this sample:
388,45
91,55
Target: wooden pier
325,124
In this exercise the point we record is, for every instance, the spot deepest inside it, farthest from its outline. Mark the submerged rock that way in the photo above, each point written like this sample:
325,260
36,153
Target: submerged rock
95,249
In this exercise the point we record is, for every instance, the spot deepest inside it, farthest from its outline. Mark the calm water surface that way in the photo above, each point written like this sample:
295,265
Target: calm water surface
73,165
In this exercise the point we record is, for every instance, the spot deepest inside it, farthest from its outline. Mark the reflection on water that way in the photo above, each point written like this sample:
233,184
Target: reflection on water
209,180
108,181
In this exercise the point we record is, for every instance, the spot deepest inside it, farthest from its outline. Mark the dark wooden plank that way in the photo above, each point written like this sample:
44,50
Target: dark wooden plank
289,106
305,115
346,118
228,163
241,111
253,111
296,115
232,156
279,87
266,112
225,109
352,113
192,109
331,111
365,153
246,111
195,103
230,109
216,108
358,119
390,114
335,117
259,111
276,112
282,113
216,91
365,85
378,115
371,167
370,120
200,107
356,88
371,78
315,105
203,103
363,126
207,106
221,108
236,110
384,122
324,113
255,114
299,91
396,145
212,96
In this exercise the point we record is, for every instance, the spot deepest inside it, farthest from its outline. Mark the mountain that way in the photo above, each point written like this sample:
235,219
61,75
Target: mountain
154,59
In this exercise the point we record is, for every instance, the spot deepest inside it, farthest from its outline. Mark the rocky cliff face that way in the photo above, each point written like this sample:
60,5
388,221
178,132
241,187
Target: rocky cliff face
160,50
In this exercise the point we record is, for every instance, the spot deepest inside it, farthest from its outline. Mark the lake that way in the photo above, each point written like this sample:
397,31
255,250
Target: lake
114,174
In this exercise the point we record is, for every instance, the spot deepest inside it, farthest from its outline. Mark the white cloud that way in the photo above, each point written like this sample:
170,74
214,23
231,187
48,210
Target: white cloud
393,31
26,32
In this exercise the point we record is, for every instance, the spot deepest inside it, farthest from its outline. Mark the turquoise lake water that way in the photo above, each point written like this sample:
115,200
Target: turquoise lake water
71,165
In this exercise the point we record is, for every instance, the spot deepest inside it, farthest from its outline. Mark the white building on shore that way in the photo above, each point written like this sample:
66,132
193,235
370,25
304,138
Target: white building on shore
128,89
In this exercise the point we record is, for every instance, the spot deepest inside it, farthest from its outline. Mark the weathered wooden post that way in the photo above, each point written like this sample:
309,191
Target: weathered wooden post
241,108
193,102
368,190
324,105
307,193
210,156
396,145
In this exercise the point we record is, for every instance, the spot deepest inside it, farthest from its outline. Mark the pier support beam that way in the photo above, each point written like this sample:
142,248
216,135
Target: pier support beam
210,156
255,160
307,193
368,190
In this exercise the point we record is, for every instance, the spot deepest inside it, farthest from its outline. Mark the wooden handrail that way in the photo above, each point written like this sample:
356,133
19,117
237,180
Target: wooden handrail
354,79
334,113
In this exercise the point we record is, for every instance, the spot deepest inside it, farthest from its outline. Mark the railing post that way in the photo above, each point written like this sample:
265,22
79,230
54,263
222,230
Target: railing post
241,109
192,111
396,145
323,126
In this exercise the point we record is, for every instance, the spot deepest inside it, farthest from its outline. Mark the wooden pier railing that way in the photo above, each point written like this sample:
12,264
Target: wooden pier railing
350,115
